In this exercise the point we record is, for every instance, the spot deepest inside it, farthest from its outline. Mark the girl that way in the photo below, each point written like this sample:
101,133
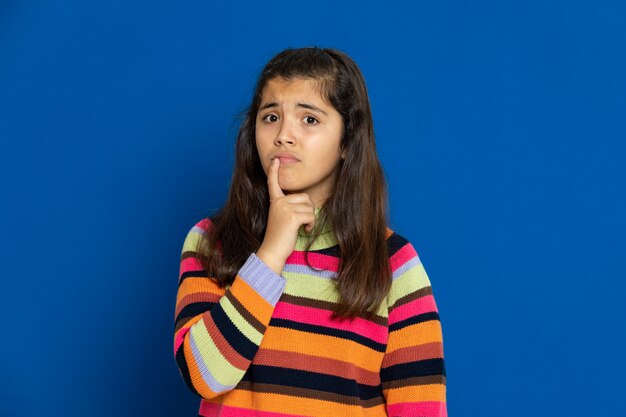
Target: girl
296,299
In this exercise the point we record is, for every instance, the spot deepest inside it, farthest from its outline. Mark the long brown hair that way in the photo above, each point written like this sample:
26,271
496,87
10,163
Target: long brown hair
356,209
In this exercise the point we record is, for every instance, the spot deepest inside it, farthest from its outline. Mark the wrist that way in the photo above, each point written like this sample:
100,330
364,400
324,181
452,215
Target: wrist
275,263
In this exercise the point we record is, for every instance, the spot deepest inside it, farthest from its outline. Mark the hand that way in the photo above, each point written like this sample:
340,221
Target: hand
286,214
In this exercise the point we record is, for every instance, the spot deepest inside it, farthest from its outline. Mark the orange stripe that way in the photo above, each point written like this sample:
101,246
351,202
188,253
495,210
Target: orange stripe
199,285
416,334
251,300
291,340
434,392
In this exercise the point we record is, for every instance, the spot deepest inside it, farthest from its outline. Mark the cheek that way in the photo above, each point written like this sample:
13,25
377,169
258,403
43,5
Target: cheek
261,141
324,166
262,152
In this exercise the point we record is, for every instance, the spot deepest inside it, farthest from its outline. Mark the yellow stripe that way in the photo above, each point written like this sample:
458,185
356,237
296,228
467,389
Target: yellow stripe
194,372
323,241
309,286
316,288
216,363
244,327
191,242
410,281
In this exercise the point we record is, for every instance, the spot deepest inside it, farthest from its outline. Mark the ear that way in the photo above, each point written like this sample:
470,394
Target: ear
344,154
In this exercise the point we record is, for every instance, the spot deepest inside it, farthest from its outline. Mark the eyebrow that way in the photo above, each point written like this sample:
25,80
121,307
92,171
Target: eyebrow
303,105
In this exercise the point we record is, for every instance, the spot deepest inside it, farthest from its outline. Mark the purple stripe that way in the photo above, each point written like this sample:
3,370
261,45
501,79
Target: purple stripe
259,276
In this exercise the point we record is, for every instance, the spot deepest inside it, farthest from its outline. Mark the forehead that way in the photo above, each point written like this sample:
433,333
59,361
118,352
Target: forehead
280,89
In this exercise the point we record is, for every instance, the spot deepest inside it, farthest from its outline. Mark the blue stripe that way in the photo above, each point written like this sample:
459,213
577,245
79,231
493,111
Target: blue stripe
413,262
303,269
343,334
262,374
197,229
426,367
231,333
420,318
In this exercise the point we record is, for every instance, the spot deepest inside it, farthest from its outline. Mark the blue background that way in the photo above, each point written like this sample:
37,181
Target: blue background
500,126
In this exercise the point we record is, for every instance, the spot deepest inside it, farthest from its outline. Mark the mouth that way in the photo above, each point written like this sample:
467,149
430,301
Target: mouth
286,158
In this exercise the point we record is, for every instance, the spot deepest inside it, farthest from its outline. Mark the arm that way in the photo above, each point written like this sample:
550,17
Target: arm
413,373
218,331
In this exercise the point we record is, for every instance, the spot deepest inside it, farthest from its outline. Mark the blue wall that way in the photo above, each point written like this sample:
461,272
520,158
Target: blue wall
500,126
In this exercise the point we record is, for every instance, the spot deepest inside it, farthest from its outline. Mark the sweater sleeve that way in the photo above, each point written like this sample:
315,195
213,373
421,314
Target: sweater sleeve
413,373
218,331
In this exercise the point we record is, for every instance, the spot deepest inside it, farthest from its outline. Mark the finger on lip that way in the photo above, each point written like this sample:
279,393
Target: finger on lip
287,159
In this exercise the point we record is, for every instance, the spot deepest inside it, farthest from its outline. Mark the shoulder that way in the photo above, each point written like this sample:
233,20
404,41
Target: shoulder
408,273
400,250
195,233
202,226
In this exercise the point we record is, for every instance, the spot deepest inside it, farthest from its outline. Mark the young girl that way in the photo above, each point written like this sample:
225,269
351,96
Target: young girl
296,299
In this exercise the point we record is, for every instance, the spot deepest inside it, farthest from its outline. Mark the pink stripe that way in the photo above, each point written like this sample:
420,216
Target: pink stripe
190,264
208,409
423,408
180,337
321,317
204,224
402,256
317,260
422,305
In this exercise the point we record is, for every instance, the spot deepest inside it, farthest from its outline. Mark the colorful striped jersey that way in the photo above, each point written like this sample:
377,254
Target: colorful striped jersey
267,346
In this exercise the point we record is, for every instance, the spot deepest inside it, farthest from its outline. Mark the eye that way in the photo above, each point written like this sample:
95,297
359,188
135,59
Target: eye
270,118
310,120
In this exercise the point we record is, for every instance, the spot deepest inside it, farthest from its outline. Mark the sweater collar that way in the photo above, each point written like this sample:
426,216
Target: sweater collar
322,234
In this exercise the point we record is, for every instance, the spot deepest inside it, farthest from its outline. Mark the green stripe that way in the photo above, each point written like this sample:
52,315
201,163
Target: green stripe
310,286
191,242
410,281
216,363
316,288
240,322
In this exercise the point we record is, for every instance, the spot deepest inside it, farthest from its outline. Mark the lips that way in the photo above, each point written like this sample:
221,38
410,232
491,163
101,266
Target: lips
285,160
285,157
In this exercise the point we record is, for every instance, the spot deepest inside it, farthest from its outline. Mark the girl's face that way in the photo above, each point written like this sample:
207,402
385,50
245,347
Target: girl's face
297,126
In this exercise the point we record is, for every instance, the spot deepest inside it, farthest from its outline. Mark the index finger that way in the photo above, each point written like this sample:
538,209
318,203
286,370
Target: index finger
272,180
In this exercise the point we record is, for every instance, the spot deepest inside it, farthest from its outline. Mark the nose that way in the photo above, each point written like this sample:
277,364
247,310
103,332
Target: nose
285,135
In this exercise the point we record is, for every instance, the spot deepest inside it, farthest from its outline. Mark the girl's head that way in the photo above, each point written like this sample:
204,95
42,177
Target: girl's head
310,109
312,104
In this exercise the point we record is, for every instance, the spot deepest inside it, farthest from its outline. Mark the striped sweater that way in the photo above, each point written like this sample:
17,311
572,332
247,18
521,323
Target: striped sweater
266,345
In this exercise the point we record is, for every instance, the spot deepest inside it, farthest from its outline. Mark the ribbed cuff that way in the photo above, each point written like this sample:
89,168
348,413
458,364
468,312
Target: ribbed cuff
259,276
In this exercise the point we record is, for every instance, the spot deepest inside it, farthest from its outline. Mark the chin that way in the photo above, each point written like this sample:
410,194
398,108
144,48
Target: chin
288,184
290,190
